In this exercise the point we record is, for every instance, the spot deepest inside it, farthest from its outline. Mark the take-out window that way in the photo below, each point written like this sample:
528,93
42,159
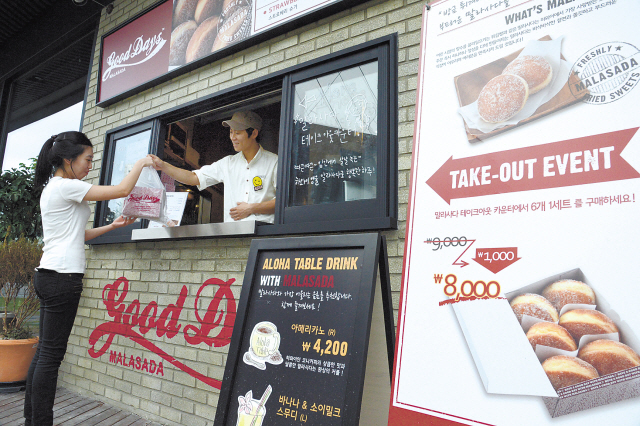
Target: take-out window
333,124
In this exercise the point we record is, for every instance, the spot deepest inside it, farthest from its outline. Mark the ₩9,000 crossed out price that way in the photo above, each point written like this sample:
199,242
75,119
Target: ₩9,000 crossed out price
468,290
447,242
330,347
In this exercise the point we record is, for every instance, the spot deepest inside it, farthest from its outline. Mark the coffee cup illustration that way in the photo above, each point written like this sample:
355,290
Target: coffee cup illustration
265,339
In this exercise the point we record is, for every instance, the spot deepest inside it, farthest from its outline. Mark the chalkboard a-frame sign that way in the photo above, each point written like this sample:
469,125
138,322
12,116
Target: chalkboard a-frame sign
299,346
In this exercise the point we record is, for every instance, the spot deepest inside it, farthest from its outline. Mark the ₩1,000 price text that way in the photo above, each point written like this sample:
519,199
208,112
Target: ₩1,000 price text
496,255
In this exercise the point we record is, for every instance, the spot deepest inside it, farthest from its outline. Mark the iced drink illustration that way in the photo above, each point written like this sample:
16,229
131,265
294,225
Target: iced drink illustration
254,417
251,411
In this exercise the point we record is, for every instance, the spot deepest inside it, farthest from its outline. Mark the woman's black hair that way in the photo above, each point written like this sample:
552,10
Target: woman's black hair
64,146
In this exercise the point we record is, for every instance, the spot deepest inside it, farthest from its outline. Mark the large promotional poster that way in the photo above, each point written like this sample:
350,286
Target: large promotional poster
520,300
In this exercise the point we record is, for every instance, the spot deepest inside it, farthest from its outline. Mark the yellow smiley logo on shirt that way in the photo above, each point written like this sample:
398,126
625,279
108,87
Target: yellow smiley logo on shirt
257,183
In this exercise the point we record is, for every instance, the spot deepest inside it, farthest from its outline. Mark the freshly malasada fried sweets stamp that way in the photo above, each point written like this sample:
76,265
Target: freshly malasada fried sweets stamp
534,305
535,70
609,356
564,292
502,98
565,371
551,335
580,322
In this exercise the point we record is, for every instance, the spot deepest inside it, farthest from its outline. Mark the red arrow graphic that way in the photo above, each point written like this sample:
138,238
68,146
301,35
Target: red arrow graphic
590,159
462,263
496,259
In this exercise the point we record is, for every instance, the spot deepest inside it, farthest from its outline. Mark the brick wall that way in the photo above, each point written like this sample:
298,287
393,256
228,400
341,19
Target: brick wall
158,271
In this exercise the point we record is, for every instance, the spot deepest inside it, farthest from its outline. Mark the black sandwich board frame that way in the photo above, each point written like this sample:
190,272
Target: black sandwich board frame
374,256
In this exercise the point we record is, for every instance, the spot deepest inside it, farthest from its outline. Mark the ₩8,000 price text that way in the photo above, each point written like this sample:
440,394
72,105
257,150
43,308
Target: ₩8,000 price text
467,290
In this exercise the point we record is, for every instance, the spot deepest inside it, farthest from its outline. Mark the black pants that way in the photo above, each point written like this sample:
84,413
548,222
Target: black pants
59,296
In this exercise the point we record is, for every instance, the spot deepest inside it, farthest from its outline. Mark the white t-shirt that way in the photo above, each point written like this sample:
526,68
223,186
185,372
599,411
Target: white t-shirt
64,220
252,182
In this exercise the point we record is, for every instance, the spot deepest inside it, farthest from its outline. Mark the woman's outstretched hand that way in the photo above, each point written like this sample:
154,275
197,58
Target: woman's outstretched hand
146,161
123,221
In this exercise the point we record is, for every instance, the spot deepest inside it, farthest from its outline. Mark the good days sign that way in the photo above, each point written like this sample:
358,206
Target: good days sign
133,321
176,37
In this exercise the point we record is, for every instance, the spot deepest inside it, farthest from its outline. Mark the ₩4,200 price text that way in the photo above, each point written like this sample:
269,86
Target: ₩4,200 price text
328,347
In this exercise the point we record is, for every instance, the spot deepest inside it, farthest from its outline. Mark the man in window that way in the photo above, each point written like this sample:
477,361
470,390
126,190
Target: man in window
249,176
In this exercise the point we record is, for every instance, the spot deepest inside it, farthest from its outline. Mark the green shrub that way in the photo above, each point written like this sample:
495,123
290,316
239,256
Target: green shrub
20,203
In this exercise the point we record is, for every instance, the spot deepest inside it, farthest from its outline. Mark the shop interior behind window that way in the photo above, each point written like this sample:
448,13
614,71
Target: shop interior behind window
336,120
201,140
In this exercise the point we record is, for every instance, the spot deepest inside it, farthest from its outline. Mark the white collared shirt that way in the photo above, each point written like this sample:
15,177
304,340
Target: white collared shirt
252,182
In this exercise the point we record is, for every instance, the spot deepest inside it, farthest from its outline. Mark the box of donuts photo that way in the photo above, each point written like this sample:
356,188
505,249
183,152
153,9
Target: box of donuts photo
557,338
585,348
516,89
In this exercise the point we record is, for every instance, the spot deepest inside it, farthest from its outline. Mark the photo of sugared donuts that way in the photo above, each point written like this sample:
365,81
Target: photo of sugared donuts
534,69
196,26
202,39
580,322
502,98
180,38
551,335
506,94
550,86
535,306
564,292
609,356
565,371
183,11
206,9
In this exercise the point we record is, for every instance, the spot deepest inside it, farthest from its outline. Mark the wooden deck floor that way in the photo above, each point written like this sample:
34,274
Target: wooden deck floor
70,409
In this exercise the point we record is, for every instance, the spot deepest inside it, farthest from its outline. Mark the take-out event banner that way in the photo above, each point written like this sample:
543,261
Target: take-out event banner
175,33
525,175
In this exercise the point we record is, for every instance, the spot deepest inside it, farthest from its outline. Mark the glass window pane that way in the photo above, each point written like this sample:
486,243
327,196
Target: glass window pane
335,125
126,152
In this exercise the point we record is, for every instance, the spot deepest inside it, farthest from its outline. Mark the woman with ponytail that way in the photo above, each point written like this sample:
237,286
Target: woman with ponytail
64,160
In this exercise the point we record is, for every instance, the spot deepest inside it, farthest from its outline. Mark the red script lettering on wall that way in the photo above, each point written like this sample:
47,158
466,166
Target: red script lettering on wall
127,317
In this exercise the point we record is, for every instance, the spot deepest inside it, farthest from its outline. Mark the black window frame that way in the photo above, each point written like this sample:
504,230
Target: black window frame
356,214
383,209
120,234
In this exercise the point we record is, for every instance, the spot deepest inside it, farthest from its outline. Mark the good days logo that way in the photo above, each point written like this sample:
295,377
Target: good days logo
132,321
148,47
